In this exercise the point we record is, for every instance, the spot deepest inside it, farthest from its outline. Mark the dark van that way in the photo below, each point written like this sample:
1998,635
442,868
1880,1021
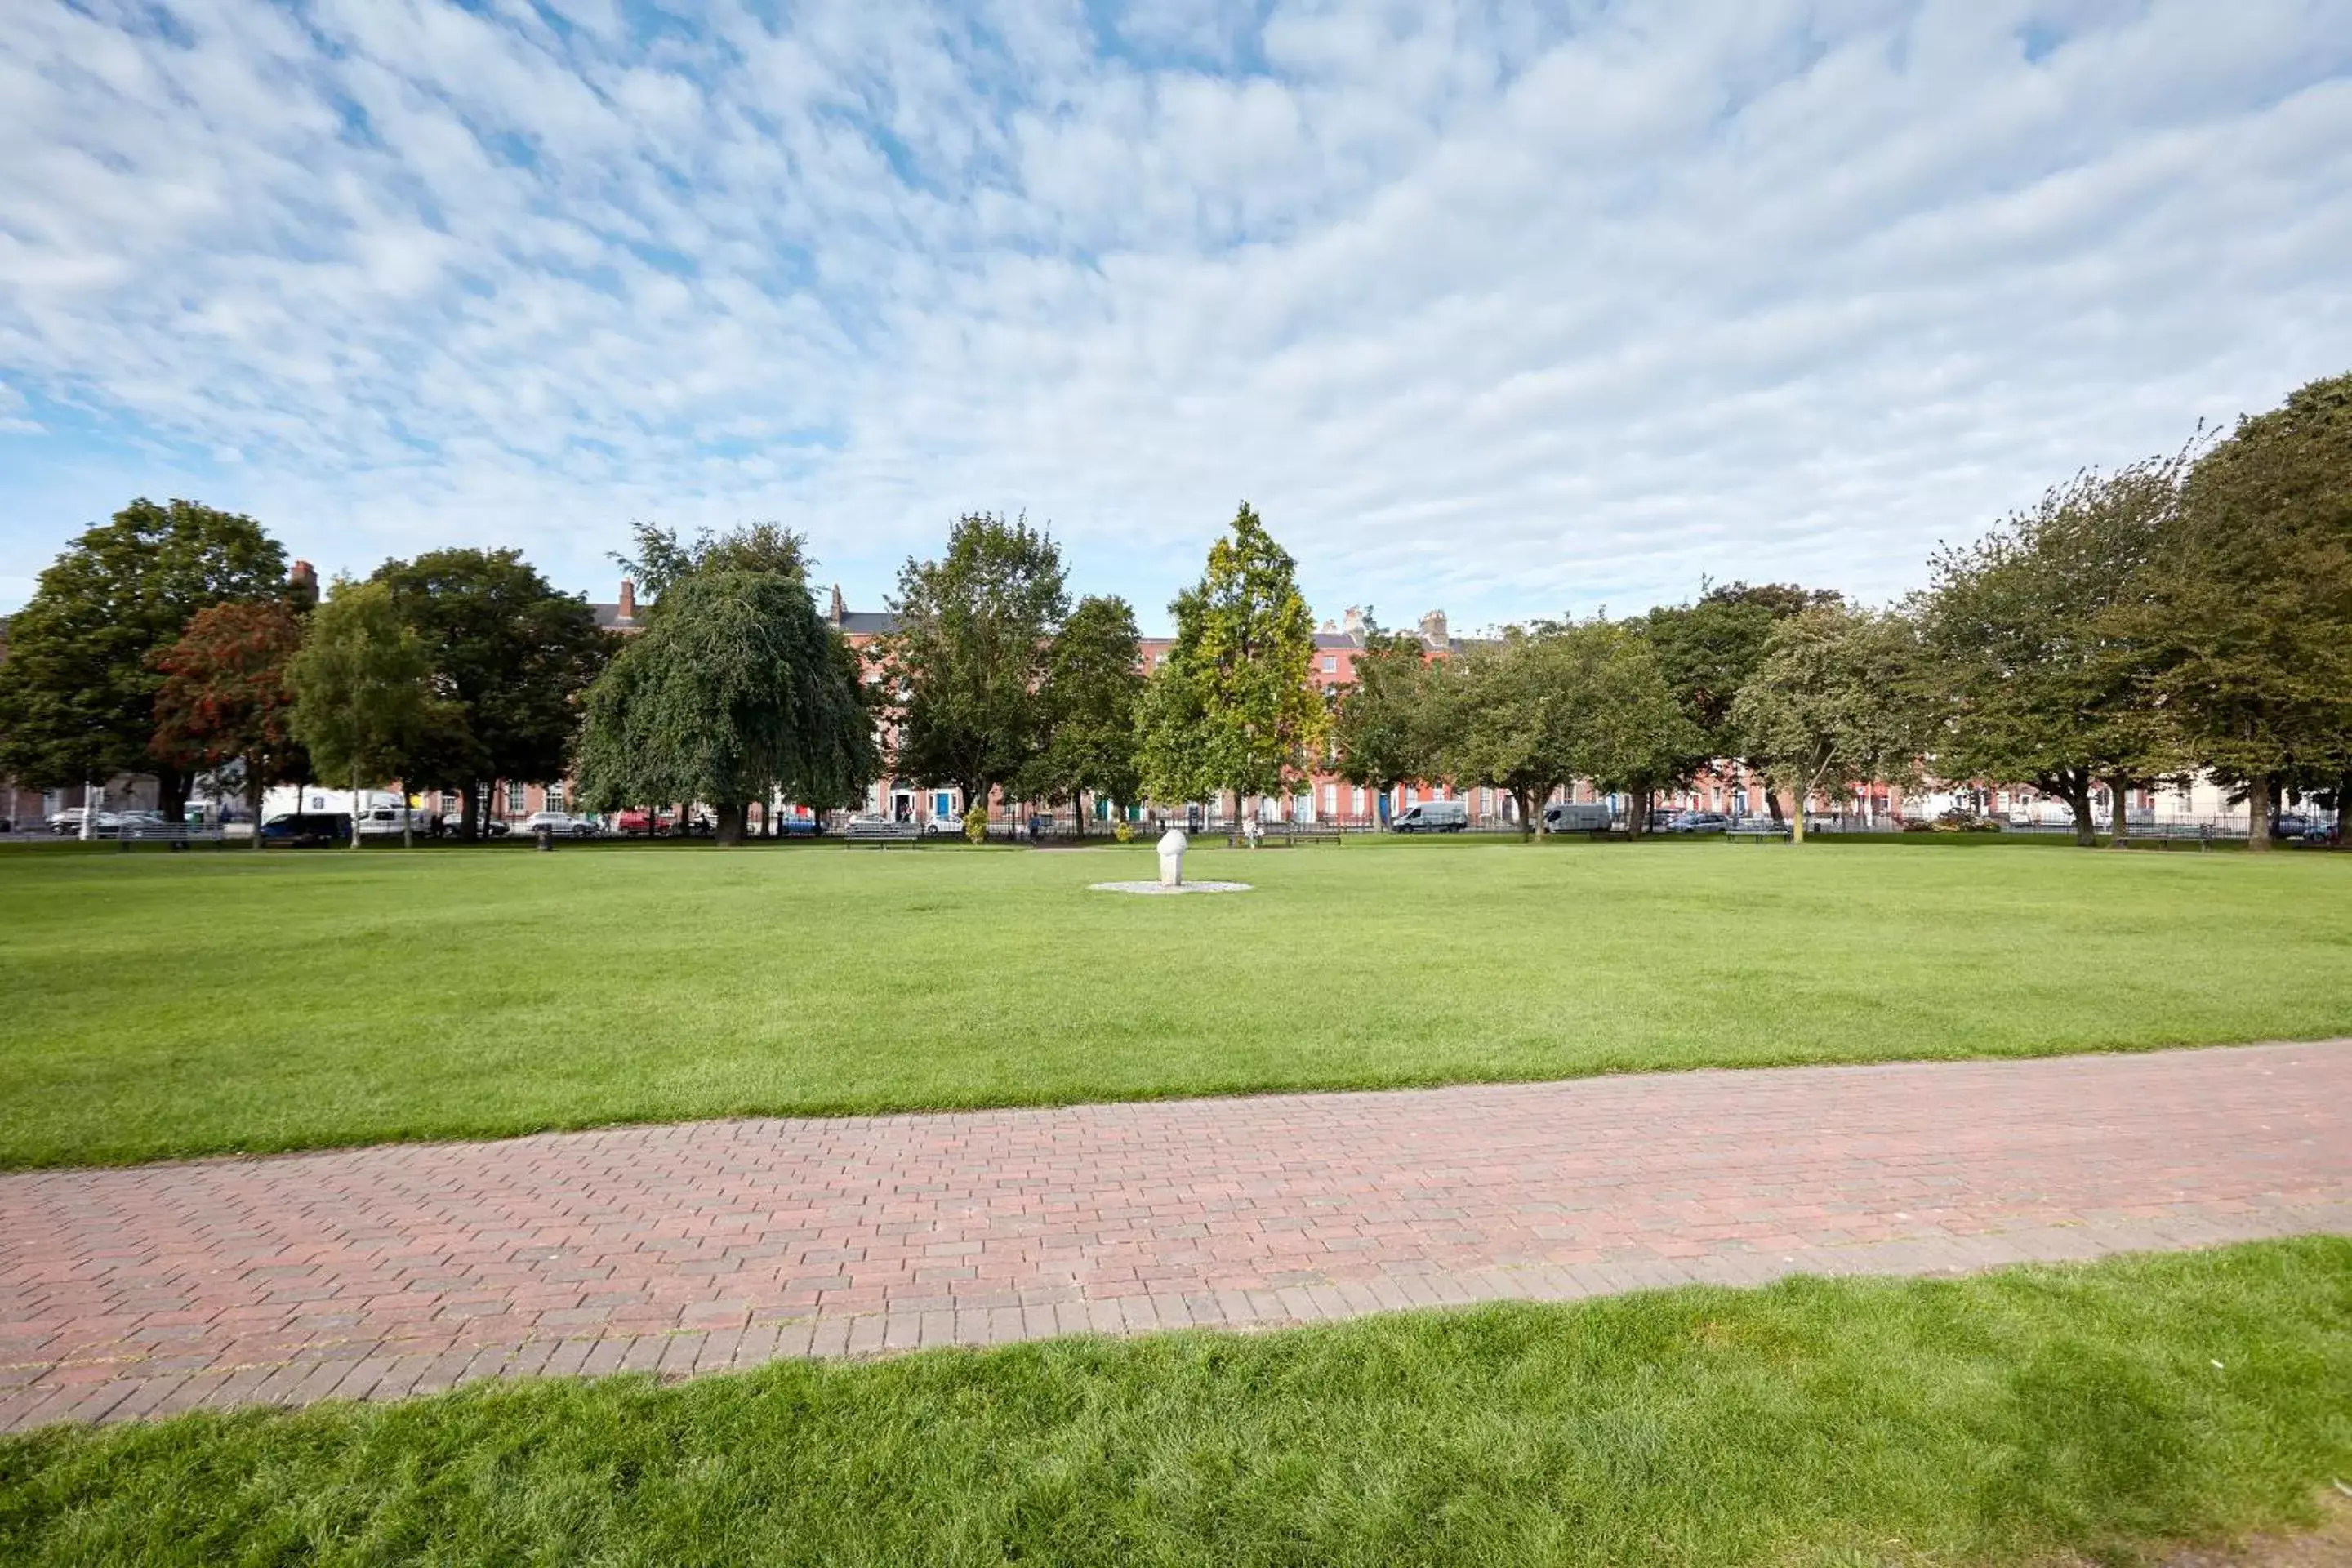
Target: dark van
309,829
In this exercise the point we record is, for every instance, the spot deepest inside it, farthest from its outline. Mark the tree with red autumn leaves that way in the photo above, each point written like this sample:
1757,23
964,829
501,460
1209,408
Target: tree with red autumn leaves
226,696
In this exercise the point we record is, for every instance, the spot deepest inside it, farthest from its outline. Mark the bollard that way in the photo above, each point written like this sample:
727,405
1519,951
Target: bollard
545,835
1172,845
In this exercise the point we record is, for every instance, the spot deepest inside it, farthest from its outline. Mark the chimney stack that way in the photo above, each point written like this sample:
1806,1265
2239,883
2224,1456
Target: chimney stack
840,606
628,600
1354,623
302,575
1432,628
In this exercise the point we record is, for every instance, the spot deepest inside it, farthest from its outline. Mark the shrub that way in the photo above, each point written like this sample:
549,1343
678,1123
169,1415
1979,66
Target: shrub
1123,832
975,824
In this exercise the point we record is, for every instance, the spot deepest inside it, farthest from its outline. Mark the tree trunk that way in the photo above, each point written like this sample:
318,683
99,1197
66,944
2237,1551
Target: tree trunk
469,815
2078,801
355,806
253,793
1530,823
2344,810
1797,816
172,793
2258,812
730,823
2118,810
407,819
1772,804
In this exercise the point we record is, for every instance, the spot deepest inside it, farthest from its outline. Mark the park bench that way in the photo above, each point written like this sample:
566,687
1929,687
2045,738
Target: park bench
1758,831
1290,833
882,833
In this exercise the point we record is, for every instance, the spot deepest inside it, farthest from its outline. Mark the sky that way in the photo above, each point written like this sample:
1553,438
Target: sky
1511,308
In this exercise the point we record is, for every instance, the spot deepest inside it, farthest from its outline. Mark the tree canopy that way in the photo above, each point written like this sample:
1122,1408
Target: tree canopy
1834,702
736,690
2037,645
364,695
1230,707
78,689
1387,725
966,669
1093,686
2249,612
510,655
228,696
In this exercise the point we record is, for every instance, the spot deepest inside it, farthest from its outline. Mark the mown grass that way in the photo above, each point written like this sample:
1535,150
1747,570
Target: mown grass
1991,1420
167,1004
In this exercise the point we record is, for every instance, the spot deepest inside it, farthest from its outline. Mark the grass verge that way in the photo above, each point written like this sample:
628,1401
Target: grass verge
1997,1419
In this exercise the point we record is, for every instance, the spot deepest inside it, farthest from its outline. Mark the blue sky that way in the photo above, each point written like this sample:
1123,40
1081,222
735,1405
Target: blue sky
1511,309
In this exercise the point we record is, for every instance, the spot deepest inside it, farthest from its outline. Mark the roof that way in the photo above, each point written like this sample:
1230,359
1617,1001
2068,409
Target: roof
608,618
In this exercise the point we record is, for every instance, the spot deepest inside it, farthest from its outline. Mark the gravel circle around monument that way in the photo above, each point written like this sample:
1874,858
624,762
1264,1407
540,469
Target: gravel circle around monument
1156,889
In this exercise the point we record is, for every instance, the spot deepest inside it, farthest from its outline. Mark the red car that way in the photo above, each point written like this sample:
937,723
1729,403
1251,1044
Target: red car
637,823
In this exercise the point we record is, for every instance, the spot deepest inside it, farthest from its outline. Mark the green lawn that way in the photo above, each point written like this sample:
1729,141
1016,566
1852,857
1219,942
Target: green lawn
160,1005
1994,1420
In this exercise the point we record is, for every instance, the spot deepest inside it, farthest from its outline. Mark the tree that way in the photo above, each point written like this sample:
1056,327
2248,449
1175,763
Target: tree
363,696
1093,684
1833,702
77,691
1627,728
1709,649
510,655
228,696
1385,726
662,557
2039,670
1504,709
2250,604
1230,707
967,665
735,689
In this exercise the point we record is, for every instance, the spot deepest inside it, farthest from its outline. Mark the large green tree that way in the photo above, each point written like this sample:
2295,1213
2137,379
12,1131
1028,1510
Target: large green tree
2041,659
2250,602
510,655
1387,724
228,697
364,701
966,669
1230,707
78,688
1093,684
1708,650
661,557
1629,730
1834,702
736,690
1504,710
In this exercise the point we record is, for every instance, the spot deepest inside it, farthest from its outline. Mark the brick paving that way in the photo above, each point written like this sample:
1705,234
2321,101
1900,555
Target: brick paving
378,1273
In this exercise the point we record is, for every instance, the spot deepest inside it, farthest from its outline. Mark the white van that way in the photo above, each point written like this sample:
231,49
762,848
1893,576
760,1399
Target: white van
1433,817
1580,816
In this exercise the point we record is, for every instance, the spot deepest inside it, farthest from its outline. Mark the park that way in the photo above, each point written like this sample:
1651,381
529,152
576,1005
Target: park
164,1006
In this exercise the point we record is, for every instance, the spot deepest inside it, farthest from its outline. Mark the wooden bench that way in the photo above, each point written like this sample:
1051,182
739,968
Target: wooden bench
1757,831
178,835
882,833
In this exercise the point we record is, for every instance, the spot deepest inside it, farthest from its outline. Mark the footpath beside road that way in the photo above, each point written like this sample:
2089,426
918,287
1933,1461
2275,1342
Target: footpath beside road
378,1273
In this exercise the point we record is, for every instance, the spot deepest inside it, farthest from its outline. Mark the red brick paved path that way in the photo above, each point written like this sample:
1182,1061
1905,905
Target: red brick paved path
380,1272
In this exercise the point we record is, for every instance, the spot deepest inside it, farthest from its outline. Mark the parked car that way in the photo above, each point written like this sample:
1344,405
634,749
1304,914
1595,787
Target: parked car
1433,817
638,823
309,829
1586,816
1699,822
799,826
2299,827
67,823
563,823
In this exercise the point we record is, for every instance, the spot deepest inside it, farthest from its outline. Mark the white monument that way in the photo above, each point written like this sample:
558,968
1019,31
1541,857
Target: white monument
1172,845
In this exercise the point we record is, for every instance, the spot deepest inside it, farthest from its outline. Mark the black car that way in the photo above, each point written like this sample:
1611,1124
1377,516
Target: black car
1698,822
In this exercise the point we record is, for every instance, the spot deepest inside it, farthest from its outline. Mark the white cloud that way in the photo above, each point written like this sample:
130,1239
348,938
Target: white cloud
1512,307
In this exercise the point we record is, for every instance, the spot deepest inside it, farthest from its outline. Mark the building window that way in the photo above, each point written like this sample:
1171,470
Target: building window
1330,664
1330,800
555,797
514,800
